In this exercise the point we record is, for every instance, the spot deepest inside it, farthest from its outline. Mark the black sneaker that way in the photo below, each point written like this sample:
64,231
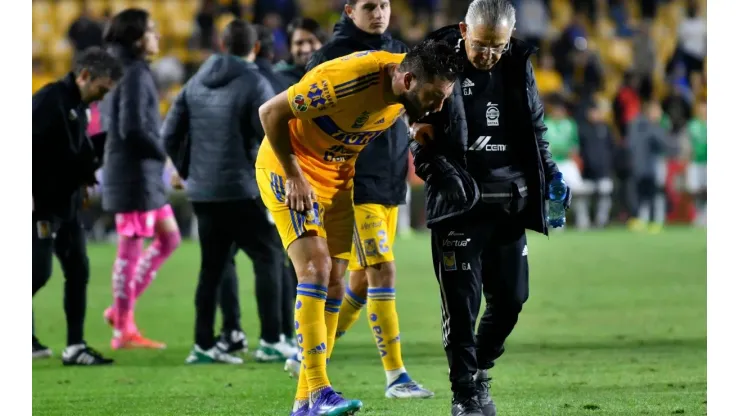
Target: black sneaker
81,354
465,406
39,350
483,391
233,342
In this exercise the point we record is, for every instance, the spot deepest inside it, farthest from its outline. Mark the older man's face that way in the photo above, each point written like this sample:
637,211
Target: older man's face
485,44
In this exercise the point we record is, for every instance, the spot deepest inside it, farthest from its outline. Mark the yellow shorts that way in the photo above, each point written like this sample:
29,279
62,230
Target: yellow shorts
331,218
375,230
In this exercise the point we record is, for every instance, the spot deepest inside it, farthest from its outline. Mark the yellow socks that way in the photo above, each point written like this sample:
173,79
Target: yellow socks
311,335
331,317
383,320
349,312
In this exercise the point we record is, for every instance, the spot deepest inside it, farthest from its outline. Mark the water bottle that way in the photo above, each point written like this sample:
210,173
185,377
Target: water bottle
556,208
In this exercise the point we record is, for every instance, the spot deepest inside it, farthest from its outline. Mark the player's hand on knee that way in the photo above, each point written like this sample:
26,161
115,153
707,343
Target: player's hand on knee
298,193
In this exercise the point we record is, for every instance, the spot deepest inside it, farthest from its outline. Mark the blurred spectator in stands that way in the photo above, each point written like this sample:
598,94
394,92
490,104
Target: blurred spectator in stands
205,26
306,37
696,179
648,142
692,40
274,13
565,45
649,8
547,77
584,74
533,22
39,77
626,105
597,152
85,31
644,57
562,133
586,8
619,12
677,106
423,11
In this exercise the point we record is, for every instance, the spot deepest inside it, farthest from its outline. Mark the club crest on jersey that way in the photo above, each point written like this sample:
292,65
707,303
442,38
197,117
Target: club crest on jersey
315,215
370,247
316,95
361,120
492,114
448,261
299,103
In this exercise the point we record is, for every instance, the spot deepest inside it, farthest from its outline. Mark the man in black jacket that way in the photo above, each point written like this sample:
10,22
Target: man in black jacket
217,111
377,194
64,162
486,168
305,37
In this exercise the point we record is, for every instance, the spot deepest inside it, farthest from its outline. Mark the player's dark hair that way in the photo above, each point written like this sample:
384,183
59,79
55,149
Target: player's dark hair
352,3
239,38
307,24
431,60
267,42
98,63
126,28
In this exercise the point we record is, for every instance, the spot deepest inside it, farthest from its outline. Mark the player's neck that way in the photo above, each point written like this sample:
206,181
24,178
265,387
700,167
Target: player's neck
391,92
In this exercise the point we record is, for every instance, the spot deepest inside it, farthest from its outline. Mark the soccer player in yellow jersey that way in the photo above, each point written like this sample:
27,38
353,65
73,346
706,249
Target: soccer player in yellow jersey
304,172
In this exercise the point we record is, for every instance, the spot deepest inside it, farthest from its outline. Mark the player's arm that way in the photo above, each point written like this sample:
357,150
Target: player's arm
312,97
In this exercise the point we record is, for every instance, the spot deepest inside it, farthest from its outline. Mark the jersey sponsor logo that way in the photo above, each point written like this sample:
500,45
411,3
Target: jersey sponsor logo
481,144
361,120
299,103
448,261
338,153
371,222
492,114
467,86
331,129
455,243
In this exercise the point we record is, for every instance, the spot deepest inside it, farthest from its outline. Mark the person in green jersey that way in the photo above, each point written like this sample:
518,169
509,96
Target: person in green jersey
696,177
562,133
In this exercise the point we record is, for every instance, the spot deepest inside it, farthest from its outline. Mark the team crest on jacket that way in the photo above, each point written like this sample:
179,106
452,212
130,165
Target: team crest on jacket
299,102
449,261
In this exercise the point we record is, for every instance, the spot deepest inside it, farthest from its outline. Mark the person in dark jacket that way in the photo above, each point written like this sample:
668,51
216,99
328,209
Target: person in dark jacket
305,37
377,193
647,141
64,162
217,112
133,188
486,167
597,144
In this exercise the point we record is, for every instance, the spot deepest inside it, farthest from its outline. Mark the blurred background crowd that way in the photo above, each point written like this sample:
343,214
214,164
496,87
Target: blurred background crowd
625,80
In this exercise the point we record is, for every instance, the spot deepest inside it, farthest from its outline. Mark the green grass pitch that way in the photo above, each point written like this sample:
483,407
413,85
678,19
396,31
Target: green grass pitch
615,325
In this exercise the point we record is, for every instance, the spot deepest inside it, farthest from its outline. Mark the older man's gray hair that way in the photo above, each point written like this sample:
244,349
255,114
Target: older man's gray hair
491,13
